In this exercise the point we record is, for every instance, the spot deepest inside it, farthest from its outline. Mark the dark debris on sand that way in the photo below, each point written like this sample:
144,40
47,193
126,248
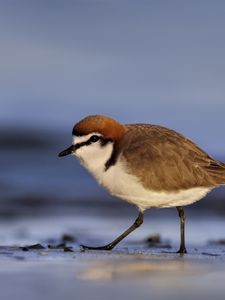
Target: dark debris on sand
33,247
155,240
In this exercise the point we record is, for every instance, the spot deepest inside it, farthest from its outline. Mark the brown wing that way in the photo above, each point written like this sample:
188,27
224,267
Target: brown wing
170,160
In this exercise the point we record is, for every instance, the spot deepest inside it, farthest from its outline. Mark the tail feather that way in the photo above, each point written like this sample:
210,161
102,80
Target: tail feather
216,170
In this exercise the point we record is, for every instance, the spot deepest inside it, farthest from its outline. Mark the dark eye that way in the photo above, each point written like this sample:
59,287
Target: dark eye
94,138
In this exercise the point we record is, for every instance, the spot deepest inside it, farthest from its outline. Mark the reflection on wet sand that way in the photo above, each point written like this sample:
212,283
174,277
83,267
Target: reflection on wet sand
139,269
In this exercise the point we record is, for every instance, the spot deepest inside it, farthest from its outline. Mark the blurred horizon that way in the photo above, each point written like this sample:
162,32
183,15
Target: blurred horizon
159,62
148,61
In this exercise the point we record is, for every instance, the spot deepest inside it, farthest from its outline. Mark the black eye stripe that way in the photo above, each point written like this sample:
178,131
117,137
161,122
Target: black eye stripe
79,145
103,141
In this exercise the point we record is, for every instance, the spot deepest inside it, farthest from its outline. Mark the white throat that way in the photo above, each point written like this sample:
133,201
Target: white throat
94,156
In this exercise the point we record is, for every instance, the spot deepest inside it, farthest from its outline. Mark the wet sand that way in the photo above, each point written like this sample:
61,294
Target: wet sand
135,269
116,275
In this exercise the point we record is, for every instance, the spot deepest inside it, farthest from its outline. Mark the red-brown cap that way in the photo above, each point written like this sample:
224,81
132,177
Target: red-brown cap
104,125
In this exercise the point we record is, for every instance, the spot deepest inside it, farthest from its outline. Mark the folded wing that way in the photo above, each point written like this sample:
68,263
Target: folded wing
165,160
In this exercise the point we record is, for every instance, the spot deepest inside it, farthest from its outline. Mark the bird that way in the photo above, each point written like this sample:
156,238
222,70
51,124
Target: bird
147,165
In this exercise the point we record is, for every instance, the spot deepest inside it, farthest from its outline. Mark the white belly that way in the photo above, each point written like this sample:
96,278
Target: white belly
128,187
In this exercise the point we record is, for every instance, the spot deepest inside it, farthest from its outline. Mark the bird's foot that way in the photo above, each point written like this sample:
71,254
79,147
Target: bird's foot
106,247
182,250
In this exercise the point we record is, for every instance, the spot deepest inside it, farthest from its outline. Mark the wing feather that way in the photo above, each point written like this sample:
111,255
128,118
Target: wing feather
165,160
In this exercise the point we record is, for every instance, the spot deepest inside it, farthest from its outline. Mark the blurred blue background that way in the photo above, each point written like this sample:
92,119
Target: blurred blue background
157,62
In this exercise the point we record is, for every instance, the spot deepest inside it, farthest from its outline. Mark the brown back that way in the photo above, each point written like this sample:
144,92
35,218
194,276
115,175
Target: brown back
170,161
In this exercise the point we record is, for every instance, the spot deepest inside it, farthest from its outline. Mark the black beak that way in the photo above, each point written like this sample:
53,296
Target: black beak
67,151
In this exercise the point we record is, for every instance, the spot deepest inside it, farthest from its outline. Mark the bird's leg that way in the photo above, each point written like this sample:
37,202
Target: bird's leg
111,245
181,213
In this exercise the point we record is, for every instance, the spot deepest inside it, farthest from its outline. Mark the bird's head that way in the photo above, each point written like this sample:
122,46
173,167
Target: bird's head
94,139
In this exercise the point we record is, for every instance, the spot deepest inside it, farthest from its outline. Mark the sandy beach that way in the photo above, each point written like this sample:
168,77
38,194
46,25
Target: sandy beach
141,267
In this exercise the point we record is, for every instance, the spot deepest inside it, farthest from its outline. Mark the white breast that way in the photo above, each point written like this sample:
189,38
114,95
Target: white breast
128,187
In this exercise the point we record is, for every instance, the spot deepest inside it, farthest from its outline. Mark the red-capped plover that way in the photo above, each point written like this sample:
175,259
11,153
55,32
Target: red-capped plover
146,165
